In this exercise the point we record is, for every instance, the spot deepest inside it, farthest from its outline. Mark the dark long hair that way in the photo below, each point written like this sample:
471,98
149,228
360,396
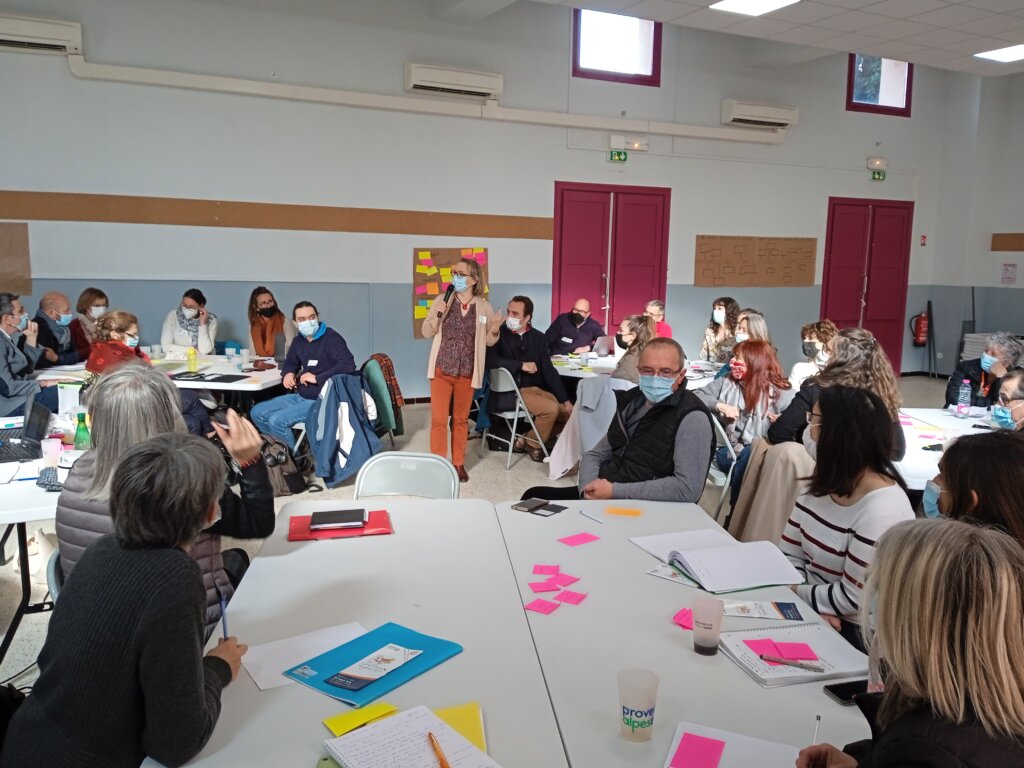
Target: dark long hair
856,436
732,312
258,291
991,466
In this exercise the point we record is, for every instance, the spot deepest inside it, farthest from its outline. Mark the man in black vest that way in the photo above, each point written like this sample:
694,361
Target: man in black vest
659,444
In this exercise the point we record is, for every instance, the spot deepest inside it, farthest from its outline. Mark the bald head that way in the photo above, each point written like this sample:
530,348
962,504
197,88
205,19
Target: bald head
54,303
580,312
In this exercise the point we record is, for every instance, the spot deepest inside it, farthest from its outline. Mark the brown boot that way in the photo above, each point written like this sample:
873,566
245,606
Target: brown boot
463,474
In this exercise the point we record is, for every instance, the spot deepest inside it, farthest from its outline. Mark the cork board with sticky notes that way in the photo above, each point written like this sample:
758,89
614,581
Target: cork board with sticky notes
15,264
727,260
432,274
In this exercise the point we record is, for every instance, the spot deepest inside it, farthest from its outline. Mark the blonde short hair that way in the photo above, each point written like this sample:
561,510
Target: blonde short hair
949,621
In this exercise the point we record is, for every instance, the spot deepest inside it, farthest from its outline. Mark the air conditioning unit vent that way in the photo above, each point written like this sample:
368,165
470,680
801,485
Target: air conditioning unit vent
424,78
18,33
736,112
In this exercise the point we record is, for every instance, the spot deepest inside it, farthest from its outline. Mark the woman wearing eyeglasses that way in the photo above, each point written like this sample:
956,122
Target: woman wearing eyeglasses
1008,410
1003,353
115,342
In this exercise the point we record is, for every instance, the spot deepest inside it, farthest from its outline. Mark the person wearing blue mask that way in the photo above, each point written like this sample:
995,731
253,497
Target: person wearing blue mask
632,460
1002,354
316,354
19,356
1008,410
53,319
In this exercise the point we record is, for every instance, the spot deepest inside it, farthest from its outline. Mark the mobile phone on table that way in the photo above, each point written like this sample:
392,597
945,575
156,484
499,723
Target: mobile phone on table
844,692
547,510
337,518
529,505
933,447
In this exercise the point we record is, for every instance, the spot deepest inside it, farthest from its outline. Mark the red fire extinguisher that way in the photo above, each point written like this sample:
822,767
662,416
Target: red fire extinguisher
919,327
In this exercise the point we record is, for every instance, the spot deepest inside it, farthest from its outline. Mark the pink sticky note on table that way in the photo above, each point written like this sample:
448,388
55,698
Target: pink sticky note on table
563,579
545,570
579,538
568,596
684,618
796,651
906,422
697,752
542,606
544,586
764,647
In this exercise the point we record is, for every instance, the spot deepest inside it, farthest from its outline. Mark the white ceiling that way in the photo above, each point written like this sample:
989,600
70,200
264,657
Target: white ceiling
938,33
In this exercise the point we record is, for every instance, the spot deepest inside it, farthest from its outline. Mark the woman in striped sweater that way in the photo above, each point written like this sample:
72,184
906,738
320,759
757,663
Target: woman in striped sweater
855,495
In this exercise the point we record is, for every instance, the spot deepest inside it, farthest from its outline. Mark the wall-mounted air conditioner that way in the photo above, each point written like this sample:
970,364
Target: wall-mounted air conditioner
18,33
424,78
736,112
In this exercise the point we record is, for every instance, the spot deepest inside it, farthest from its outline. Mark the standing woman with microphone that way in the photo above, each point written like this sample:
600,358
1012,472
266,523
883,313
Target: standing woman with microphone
462,324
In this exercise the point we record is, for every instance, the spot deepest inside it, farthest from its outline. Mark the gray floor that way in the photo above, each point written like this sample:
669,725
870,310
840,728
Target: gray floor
488,480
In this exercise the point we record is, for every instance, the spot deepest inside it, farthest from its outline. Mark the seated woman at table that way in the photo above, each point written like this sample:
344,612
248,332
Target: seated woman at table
190,326
92,305
855,495
1008,408
945,600
116,342
720,335
634,333
747,401
1002,353
814,340
270,332
750,326
133,404
122,671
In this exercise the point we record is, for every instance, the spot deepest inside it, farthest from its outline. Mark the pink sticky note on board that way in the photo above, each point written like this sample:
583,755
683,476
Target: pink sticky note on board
697,752
764,647
684,618
568,596
542,606
421,289
545,570
563,579
796,651
579,538
544,586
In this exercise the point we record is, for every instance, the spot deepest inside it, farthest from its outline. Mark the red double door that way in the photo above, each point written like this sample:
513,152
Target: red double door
611,247
866,270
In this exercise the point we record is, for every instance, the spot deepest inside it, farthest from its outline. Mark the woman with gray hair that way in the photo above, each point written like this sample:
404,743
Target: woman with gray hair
122,672
135,403
1002,353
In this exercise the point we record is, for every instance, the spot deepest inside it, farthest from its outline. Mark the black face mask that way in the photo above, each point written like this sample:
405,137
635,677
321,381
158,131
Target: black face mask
619,342
576,318
810,348
267,311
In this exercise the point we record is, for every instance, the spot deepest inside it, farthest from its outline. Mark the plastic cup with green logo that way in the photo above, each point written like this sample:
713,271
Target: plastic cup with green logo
638,694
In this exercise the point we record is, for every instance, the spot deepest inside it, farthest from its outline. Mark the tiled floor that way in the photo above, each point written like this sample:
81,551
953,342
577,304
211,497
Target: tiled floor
488,480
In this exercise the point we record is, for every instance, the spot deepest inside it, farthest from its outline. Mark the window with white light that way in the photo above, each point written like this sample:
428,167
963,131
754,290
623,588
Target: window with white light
621,49
879,85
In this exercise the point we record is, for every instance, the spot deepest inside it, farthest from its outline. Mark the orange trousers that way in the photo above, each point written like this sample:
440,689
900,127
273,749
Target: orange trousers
442,389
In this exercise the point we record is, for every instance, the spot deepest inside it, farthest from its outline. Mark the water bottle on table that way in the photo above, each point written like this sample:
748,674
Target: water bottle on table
963,400
83,441
193,360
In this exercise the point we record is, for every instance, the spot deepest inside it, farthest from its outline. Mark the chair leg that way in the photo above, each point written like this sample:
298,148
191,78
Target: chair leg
726,488
483,442
533,427
513,428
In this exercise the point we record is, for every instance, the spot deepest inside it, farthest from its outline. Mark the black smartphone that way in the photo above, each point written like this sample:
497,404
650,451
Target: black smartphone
933,447
220,416
981,426
548,510
337,518
528,505
844,692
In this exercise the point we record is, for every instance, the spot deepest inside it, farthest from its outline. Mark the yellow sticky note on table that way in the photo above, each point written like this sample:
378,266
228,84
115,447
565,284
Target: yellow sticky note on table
623,511
467,720
341,724
419,313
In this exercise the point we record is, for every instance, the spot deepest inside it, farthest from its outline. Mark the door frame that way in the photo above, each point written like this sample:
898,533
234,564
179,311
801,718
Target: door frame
556,249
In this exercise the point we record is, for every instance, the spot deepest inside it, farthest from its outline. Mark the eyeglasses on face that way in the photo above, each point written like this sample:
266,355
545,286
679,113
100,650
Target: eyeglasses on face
1007,401
460,274
661,373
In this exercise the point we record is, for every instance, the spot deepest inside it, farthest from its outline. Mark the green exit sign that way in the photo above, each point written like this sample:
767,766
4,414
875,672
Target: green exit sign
618,156
878,175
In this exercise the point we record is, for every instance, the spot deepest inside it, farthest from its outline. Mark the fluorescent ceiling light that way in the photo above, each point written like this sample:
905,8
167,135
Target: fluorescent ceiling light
1013,53
752,7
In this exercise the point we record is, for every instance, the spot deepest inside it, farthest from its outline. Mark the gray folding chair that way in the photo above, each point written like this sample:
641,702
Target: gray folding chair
54,576
400,473
716,476
503,381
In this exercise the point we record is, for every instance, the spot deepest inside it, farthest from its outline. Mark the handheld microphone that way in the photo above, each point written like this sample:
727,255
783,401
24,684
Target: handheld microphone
447,295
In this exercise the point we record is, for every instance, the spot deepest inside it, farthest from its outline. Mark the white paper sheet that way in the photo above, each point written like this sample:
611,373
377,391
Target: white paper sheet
267,661
660,544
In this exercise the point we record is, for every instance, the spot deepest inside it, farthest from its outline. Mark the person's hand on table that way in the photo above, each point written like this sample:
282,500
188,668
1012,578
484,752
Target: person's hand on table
833,620
307,378
288,382
580,350
597,489
44,383
242,440
529,367
824,756
231,651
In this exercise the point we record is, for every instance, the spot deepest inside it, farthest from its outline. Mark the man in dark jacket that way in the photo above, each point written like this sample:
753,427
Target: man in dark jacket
574,331
316,354
523,351
53,318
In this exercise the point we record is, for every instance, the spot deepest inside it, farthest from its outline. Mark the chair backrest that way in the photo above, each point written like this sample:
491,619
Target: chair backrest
378,386
399,473
54,575
721,437
503,381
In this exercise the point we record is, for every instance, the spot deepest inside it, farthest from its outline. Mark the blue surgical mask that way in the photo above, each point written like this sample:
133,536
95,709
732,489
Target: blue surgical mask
930,500
65,320
308,327
987,361
1003,417
460,282
655,388
131,341
741,337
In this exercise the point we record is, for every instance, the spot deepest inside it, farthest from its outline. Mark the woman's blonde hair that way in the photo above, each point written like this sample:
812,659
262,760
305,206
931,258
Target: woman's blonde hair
474,271
858,360
757,326
642,327
117,321
949,621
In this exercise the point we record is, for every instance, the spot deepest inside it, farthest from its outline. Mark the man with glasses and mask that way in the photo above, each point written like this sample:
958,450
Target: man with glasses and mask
20,354
574,331
634,460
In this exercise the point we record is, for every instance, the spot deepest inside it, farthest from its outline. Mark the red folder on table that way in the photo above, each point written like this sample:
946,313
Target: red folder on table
378,522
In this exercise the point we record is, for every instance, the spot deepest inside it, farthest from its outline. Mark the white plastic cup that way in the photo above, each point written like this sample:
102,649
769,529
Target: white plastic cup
230,352
707,624
51,451
147,351
638,695
244,354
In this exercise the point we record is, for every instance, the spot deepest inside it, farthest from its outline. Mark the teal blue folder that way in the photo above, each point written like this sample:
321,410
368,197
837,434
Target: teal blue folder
317,671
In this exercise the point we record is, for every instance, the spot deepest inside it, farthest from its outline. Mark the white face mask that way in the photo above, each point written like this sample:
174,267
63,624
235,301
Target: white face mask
718,316
741,337
97,312
822,357
810,444
513,323
189,313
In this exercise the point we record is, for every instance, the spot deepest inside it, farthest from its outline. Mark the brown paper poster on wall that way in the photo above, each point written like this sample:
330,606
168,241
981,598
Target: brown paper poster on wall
725,260
15,264
432,274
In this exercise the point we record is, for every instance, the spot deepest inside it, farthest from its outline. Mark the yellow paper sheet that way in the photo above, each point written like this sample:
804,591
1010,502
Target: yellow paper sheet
623,511
467,720
420,313
341,724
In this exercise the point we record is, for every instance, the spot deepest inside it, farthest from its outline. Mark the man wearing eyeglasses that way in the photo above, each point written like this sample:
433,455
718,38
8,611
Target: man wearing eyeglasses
574,331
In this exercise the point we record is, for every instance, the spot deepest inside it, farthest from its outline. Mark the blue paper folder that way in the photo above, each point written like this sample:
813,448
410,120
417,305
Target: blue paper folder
316,671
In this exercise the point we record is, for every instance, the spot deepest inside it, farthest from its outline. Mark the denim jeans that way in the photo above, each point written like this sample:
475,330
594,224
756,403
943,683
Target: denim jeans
276,417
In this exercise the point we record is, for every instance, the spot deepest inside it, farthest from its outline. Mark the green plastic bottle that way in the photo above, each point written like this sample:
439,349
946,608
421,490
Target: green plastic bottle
83,441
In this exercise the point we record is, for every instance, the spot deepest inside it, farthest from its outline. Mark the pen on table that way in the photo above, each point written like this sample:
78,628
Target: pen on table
224,616
595,519
793,663
817,722
442,761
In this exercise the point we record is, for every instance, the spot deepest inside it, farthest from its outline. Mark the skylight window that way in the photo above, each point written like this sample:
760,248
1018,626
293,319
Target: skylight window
621,49
878,85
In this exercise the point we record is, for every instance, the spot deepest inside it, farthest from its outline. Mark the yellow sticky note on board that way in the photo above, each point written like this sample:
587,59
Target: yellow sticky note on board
424,255
468,720
428,270
423,270
623,511
419,313
341,724
446,274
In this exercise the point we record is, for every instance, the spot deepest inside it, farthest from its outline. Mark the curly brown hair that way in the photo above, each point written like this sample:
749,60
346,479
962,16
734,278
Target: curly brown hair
858,360
115,321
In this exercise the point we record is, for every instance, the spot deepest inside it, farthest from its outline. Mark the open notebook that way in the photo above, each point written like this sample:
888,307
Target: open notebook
830,651
699,745
736,566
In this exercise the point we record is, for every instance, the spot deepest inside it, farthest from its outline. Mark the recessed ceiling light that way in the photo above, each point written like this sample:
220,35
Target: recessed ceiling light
751,7
1013,53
